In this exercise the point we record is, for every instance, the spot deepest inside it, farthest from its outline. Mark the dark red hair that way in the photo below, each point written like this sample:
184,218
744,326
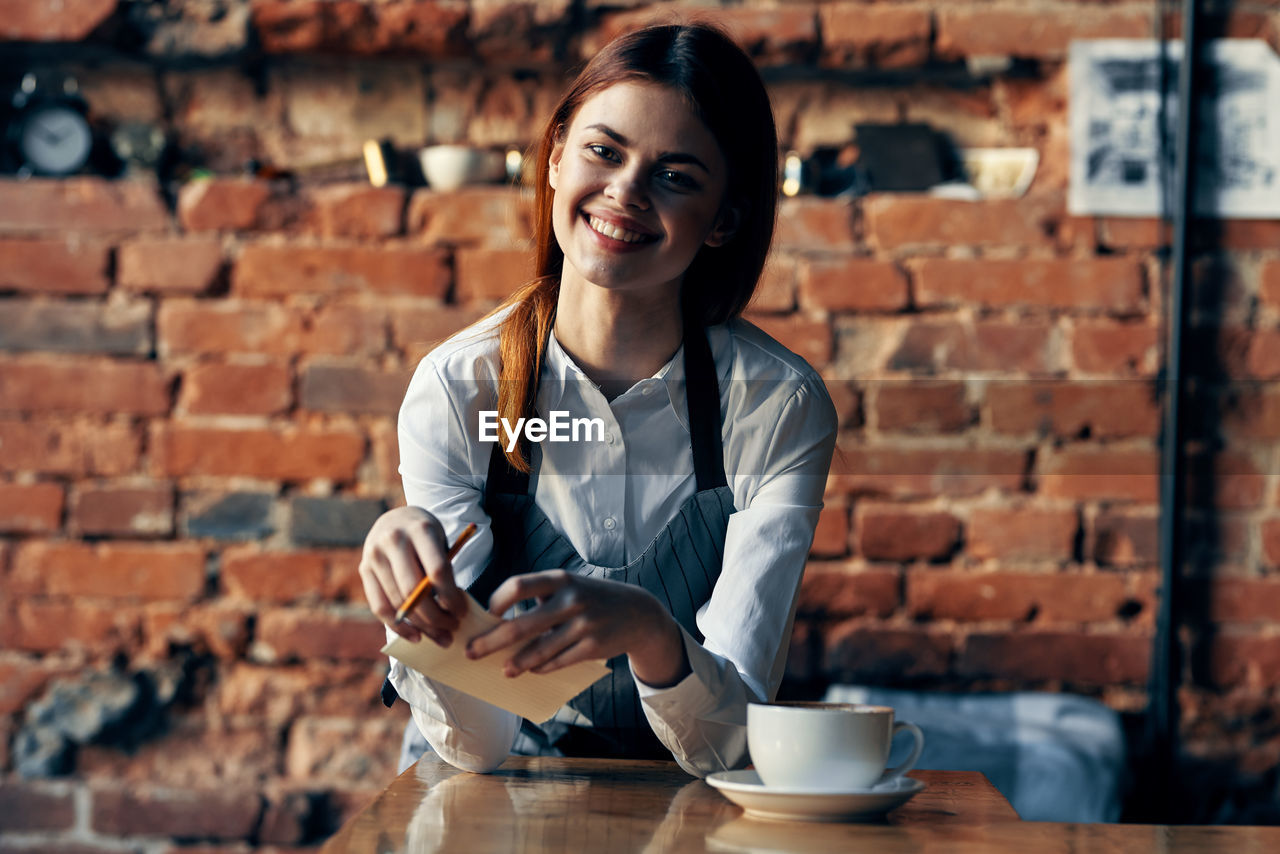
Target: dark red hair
725,91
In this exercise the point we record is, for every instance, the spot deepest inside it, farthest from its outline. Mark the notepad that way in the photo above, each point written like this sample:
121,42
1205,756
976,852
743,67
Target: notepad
530,695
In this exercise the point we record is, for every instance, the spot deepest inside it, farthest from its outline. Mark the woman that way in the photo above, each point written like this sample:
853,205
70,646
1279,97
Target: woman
673,544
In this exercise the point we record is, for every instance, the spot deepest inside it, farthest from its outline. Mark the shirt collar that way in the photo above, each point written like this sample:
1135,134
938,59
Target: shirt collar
560,369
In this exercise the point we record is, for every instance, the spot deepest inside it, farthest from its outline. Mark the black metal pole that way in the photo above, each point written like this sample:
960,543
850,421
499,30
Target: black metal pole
1166,661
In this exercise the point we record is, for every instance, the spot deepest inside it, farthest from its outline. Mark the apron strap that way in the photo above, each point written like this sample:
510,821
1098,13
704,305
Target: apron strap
702,397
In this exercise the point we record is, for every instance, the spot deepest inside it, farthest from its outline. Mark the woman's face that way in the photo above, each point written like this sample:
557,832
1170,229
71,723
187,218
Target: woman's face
639,185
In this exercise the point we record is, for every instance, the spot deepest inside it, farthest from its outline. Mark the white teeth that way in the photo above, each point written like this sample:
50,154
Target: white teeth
608,229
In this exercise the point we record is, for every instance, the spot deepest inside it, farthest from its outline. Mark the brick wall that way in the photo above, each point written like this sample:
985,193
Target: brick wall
198,385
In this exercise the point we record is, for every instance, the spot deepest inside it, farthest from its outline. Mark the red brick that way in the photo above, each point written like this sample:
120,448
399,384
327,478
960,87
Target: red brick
1101,659
275,577
232,326
106,328
298,634
1086,474
1133,233
271,270
1108,347
1041,33
926,472
83,385
220,630
192,750
1113,284
279,695
1022,533
486,216
922,406
72,448
1230,479
169,265
1035,101
64,205
929,346
852,284
1059,597
343,749
1254,413
54,266
854,652
222,204
1237,659
418,329
831,536
847,590
1126,537
222,813
21,678
884,36
75,626
358,210
1074,408
1269,532
68,21
1243,600
1269,284
813,224
431,30
293,454
352,389
899,534
899,221
770,34
810,339
122,510
236,389
126,571
1242,234
490,274
1262,359
29,807
30,508
341,329
776,290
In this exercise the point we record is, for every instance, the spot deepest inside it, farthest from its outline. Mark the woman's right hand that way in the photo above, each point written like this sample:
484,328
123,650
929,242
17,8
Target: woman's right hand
403,545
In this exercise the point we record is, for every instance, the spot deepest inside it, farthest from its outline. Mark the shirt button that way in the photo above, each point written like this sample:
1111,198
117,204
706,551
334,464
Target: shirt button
610,523
648,389
609,438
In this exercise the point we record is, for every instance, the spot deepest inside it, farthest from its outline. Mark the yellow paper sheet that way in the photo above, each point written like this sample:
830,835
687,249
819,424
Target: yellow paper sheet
530,695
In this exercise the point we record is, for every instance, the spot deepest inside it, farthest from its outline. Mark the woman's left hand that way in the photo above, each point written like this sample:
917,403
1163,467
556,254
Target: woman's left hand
580,619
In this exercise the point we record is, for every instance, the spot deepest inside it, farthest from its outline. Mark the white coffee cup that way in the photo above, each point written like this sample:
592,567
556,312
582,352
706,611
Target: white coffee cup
826,747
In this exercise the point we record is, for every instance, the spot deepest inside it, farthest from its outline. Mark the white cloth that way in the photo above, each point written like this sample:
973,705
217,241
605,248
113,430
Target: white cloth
611,498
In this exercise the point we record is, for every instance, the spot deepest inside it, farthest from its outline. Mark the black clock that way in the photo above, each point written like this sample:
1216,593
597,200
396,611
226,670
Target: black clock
48,132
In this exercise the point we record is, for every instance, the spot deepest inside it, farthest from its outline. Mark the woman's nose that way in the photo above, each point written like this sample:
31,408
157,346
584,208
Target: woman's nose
627,189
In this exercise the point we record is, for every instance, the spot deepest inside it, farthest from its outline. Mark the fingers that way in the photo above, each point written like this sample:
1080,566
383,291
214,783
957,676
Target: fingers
552,650
428,543
380,605
533,585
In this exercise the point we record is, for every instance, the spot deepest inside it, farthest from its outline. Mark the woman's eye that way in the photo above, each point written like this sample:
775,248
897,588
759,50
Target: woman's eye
603,151
677,179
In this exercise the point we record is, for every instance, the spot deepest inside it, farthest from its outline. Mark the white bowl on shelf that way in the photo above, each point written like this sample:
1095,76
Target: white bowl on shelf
448,167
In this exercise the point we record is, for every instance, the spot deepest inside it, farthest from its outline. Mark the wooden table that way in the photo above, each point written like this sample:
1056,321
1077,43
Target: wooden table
572,805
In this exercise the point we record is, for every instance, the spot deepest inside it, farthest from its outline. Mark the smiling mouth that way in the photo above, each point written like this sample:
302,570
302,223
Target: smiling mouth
616,232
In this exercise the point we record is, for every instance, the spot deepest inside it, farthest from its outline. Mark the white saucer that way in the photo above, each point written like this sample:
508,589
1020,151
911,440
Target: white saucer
745,789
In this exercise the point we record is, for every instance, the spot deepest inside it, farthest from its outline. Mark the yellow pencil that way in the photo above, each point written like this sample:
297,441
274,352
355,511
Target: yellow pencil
424,585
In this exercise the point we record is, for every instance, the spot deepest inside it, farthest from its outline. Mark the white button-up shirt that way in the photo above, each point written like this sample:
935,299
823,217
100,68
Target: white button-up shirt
611,498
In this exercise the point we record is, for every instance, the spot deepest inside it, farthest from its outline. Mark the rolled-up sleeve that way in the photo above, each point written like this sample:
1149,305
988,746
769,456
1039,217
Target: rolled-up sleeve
747,623
440,472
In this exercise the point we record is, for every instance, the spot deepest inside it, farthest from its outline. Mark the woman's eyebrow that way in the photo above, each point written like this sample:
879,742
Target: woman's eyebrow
664,157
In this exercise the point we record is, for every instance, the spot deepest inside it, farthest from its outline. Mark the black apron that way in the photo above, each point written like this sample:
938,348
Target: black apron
679,567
